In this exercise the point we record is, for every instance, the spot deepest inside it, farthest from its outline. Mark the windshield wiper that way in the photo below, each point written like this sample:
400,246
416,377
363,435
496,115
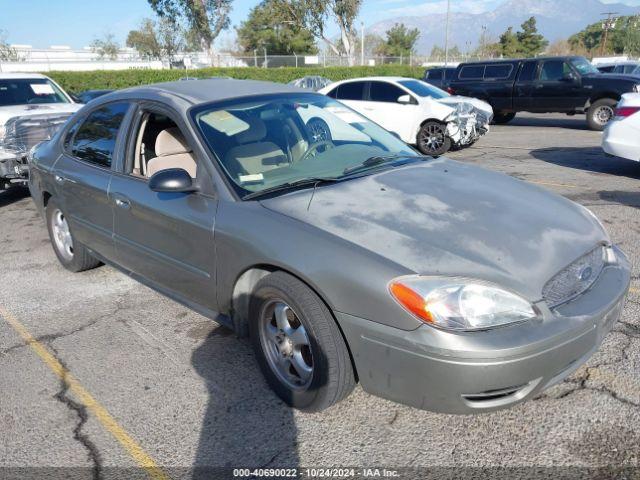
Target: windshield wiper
304,182
376,161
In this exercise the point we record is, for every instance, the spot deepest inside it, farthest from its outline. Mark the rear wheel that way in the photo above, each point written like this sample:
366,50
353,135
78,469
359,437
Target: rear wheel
432,139
72,254
600,113
299,347
502,118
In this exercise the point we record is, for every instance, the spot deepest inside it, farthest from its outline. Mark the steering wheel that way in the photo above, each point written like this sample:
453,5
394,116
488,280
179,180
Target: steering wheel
313,149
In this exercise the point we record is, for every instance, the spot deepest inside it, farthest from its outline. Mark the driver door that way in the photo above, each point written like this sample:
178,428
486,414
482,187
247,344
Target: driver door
166,239
383,108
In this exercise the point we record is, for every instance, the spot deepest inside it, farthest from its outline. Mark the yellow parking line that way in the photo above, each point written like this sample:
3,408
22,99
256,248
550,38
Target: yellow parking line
104,417
553,184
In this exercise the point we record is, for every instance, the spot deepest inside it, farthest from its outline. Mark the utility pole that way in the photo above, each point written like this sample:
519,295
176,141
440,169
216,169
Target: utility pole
446,35
362,43
608,24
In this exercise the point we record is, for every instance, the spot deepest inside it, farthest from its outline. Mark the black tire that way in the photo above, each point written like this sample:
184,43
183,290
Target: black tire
318,130
332,377
432,139
600,113
503,118
79,258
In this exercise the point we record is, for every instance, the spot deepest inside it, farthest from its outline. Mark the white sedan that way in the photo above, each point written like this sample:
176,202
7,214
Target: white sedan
622,135
419,113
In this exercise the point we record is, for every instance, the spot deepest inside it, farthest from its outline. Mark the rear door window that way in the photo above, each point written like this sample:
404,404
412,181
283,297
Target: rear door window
528,72
351,91
497,72
95,139
384,92
471,72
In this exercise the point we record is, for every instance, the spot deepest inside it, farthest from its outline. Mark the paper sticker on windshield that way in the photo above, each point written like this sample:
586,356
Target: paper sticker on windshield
42,89
346,115
252,178
225,122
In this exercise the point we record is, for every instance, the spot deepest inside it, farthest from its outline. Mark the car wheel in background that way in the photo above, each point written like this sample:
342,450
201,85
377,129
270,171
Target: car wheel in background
502,118
298,345
319,130
72,255
432,138
600,113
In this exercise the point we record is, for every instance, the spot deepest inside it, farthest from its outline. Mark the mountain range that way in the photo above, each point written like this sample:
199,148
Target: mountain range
556,19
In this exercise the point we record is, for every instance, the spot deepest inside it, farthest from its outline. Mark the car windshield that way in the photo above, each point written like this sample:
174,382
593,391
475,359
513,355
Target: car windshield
583,66
423,89
23,91
276,140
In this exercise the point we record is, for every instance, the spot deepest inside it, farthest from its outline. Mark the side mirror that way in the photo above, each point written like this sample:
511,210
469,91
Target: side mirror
405,99
172,180
570,77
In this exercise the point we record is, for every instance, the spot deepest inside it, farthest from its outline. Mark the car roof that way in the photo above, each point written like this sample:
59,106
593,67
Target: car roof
383,79
207,90
512,60
8,76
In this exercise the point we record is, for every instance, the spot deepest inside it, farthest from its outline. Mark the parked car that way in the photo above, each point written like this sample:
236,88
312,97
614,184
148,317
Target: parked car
32,108
625,68
419,113
311,82
439,76
622,136
549,84
431,282
88,95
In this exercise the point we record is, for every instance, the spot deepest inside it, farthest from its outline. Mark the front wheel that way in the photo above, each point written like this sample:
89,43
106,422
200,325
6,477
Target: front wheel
600,113
72,254
432,139
298,345
503,118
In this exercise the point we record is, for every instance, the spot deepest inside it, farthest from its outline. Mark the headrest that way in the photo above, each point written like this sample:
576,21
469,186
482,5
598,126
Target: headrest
256,131
171,142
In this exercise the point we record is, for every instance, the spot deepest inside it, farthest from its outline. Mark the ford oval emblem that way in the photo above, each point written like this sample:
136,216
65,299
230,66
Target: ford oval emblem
585,274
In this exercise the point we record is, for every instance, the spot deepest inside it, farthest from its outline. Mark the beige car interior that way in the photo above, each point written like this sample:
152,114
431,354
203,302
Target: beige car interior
160,145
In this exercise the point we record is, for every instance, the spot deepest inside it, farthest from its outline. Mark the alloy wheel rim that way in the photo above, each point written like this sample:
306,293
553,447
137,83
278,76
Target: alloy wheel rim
62,235
286,345
432,138
318,132
603,114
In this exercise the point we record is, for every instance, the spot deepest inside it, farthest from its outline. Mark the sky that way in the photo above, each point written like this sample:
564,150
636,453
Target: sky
42,23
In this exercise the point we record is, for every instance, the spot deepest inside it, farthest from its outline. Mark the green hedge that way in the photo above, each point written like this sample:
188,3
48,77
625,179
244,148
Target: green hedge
113,79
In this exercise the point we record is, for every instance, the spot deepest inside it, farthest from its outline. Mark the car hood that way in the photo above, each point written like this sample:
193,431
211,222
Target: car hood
442,217
604,78
477,104
37,109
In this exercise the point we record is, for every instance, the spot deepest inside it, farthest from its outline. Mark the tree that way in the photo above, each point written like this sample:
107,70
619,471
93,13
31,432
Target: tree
509,44
531,43
373,44
437,53
145,40
623,39
106,47
314,14
400,41
7,52
264,29
206,18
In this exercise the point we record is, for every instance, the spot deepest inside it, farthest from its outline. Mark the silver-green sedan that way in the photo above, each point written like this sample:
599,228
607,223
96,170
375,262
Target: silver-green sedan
345,255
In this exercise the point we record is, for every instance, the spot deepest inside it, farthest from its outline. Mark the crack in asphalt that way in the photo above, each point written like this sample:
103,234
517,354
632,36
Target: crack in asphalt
80,410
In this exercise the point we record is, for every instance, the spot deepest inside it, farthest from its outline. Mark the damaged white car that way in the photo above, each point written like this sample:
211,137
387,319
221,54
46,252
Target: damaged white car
419,113
32,108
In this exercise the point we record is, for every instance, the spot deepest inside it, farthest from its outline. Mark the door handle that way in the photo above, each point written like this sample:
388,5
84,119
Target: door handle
123,203
539,85
59,179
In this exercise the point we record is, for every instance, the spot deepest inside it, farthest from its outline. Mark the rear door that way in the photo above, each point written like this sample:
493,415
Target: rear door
498,80
524,86
165,238
350,93
83,174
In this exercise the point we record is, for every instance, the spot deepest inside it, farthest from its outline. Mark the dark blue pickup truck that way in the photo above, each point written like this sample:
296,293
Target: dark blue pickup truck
545,84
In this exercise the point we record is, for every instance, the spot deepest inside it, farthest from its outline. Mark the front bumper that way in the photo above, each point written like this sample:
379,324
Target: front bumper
483,371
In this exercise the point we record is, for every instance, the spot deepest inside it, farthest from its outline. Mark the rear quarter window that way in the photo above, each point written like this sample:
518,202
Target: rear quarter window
472,72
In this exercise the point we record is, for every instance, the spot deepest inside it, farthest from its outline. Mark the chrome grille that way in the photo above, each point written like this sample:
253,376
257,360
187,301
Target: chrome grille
574,279
25,132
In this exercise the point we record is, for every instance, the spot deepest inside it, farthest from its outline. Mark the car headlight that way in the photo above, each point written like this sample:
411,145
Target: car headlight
460,304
